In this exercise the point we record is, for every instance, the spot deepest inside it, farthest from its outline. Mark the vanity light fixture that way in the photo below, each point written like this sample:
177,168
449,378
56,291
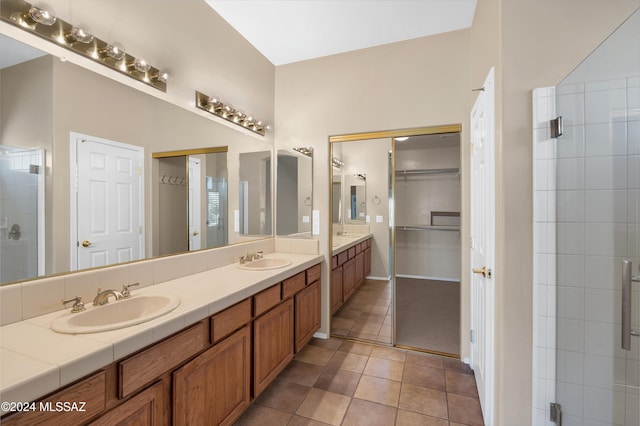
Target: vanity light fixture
40,19
337,163
308,151
402,139
213,105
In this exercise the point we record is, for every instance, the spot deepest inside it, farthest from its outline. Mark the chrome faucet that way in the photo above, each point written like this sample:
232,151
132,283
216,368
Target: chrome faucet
102,297
250,256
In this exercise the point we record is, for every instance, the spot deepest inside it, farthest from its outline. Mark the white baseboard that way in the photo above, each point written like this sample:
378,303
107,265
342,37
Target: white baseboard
387,278
422,277
321,335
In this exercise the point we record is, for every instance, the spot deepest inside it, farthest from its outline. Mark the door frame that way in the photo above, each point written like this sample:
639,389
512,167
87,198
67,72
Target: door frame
74,137
392,134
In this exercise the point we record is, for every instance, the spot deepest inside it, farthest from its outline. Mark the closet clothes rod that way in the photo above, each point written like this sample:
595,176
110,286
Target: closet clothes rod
428,228
426,171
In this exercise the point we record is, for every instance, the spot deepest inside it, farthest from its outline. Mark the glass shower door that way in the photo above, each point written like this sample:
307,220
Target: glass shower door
598,236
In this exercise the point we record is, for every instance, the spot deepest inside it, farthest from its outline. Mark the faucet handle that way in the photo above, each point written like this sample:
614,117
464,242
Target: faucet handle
78,306
125,289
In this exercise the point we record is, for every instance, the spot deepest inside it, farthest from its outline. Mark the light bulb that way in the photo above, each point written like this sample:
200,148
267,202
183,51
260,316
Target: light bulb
161,76
79,33
140,65
42,14
114,51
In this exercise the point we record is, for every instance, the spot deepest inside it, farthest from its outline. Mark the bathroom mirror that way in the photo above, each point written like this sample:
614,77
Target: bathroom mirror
355,198
294,192
197,181
73,99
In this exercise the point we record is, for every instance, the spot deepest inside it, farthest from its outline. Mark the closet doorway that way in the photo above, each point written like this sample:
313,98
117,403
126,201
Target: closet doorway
395,238
427,199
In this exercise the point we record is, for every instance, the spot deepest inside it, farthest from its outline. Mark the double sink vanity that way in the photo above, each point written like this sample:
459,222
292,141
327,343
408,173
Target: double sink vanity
192,350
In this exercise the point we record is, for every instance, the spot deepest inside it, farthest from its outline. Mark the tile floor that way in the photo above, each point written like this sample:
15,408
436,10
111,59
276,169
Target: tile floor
367,313
338,382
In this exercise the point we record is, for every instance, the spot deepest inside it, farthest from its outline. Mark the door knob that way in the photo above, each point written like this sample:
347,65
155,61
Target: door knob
195,233
486,272
86,243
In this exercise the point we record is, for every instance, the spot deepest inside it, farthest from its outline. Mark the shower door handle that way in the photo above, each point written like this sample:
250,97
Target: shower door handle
627,280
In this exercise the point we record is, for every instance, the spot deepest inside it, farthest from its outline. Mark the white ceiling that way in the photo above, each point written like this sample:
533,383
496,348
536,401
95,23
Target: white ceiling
287,31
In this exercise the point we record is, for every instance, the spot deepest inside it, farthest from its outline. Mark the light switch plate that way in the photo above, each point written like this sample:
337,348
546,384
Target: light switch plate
379,219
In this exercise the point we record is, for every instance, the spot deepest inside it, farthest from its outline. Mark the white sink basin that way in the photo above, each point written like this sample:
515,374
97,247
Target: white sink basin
116,314
265,264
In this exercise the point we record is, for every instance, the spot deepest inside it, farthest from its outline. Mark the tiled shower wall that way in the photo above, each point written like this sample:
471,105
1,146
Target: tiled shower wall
587,206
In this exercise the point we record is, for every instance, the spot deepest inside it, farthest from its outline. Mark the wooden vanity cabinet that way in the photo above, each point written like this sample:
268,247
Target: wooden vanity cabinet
336,289
349,268
273,341
92,391
202,374
348,278
214,387
359,269
307,311
145,409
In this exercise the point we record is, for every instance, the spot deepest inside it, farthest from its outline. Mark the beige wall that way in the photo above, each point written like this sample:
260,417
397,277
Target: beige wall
532,44
28,124
422,82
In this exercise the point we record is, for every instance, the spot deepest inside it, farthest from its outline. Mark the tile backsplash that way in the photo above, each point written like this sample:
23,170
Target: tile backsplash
42,296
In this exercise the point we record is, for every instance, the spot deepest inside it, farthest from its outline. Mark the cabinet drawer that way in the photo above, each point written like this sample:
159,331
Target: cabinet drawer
148,365
358,248
92,391
343,257
352,252
226,322
368,243
334,262
313,274
292,285
266,299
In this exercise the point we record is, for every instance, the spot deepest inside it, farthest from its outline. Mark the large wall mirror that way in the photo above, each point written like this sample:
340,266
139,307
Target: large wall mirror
294,192
45,101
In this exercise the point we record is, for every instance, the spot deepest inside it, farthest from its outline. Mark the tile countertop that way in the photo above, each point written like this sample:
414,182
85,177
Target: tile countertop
35,360
342,242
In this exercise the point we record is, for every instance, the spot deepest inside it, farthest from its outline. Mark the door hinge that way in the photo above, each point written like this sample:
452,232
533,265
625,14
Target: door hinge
140,230
472,336
139,171
555,413
473,242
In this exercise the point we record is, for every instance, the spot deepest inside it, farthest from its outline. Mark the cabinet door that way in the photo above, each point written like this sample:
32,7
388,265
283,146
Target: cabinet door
307,314
348,278
359,269
336,289
272,344
213,388
144,409
367,262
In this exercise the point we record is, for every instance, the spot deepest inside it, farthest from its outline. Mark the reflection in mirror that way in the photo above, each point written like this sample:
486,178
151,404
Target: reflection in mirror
336,196
192,195
294,192
254,213
21,210
62,90
356,196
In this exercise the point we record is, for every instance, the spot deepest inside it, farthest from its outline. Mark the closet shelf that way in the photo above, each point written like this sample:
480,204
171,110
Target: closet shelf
427,228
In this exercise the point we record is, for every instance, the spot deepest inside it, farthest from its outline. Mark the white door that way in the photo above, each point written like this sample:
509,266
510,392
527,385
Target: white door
107,212
195,213
482,245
